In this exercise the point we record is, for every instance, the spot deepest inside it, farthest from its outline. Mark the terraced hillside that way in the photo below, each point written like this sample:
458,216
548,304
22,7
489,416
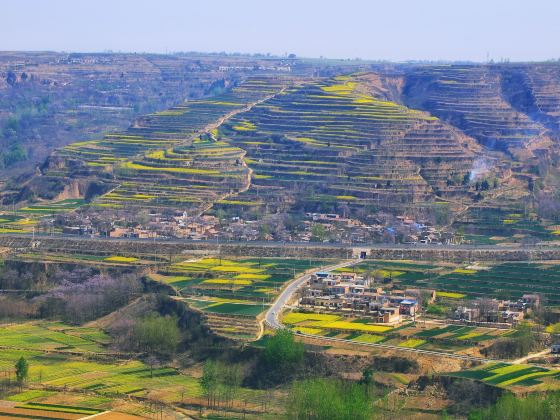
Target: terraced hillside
166,158
472,99
48,100
535,90
232,293
331,142
353,144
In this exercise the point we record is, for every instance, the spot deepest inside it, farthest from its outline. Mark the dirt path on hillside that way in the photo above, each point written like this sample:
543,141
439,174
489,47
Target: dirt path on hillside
208,130
531,356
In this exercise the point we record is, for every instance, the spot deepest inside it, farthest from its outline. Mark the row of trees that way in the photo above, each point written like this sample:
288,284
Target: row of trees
221,382
329,399
282,360
21,374
511,407
157,336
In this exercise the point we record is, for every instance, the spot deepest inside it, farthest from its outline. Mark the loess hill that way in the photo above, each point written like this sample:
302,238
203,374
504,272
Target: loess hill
401,138
334,141
49,99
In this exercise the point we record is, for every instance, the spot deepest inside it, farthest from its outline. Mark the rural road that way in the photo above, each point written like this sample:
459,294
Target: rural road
531,356
273,244
271,316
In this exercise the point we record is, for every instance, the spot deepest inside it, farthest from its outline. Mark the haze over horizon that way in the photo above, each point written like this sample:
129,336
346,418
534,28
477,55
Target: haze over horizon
403,30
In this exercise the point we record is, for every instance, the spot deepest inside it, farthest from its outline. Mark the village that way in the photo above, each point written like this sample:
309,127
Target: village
304,227
347,293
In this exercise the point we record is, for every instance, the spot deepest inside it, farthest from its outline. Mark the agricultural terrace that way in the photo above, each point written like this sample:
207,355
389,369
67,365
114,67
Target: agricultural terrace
507,281
52,208
494,224
167,158
515,377
61,370
16,223
326,143
252,279
422,335
500,280
48,336
475,93
25,219
202,172
101,257
35,410
232,293
398,271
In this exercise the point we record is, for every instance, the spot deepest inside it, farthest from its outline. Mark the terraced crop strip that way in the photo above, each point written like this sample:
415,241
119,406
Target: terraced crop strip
52,336
332,143
322,324
166,158
127,378
492,224
70,372
543,81
254,280
232,293
404,272
52,208
506,280
510,280
506,376
449,339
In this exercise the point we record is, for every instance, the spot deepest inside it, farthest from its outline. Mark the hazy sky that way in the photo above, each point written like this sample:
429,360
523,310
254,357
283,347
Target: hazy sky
386,29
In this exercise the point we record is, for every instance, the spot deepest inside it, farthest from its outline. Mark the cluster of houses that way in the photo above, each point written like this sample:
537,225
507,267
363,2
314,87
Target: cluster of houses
348,292
498,311
178,225
423,233
326,227
389,229
279,68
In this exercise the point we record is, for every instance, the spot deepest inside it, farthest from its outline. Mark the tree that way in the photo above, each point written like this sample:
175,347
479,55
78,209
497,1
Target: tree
367,377
209,381
318,232
81,296
282,351
264,231
329,399
157,335
15,154
11,78
22,370
230,381
221,215
515,345
512,407
143,217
